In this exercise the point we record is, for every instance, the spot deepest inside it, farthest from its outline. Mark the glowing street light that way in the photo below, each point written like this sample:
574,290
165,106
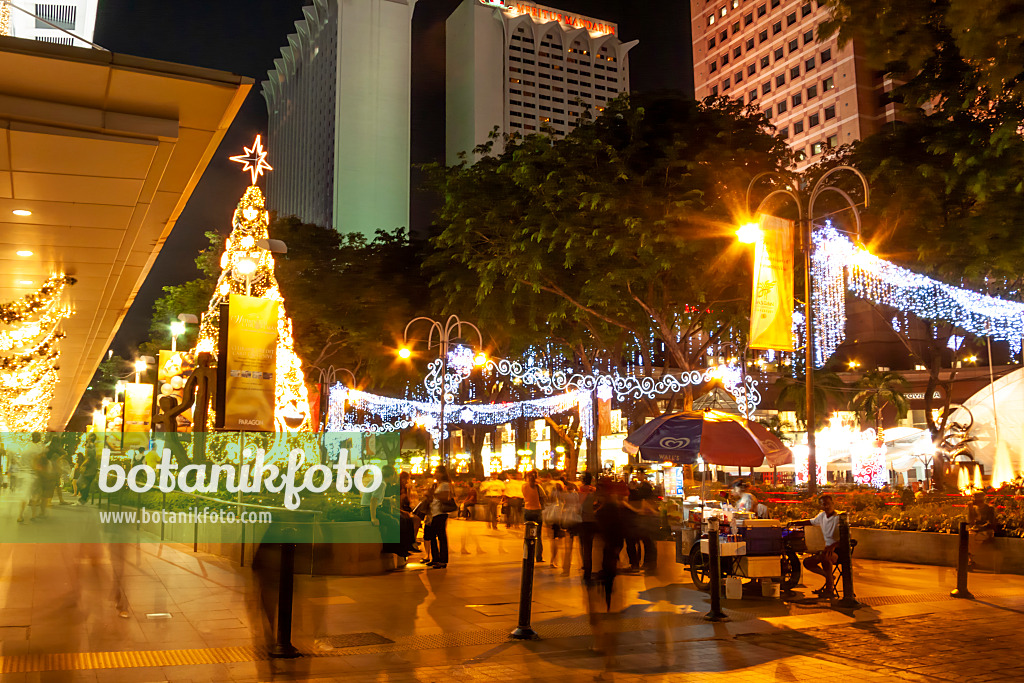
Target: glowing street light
749,233
405,353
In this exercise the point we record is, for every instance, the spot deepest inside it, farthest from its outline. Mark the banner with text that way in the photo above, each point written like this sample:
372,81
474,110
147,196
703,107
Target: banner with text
251,364
138,413
771,309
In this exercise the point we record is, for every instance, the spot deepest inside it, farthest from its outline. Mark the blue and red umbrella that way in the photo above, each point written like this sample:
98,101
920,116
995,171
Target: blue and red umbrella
719,438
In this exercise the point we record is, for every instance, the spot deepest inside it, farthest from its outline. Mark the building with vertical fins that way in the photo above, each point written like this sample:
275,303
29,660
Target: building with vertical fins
524,68
338,100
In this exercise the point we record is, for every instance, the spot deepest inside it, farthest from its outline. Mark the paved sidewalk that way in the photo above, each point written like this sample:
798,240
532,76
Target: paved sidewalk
189,616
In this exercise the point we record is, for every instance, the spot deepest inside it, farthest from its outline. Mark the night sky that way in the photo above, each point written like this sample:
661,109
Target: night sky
245,36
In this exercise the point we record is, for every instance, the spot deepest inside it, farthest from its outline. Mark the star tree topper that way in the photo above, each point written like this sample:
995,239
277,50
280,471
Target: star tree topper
254,160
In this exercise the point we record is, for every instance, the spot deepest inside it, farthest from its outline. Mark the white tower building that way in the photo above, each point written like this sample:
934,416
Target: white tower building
74,16
339,105
523,67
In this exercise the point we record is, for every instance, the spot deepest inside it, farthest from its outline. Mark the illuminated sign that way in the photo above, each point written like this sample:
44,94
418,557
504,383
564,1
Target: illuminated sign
545,14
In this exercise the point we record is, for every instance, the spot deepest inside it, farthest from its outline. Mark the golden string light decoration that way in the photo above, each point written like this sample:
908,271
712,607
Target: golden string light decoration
249,225
5,18
29,354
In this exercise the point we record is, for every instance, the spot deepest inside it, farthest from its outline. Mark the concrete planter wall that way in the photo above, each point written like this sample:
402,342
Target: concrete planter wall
1004,555
358,555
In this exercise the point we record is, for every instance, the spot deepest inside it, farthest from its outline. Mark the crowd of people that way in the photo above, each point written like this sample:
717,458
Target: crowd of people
622,514
45,468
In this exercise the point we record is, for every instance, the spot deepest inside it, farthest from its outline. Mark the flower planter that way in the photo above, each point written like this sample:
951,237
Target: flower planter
1004,555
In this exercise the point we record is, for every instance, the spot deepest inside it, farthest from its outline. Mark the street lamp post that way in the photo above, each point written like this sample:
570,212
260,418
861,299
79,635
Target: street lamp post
444,338
805,222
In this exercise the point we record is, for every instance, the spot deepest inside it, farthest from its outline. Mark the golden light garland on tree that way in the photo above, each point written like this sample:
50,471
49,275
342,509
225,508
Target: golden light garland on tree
29,353
250,223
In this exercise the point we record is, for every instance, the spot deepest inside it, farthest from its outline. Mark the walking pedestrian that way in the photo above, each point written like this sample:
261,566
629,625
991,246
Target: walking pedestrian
571,520
514,494
533,506
588,524
493,489
89,469
441,506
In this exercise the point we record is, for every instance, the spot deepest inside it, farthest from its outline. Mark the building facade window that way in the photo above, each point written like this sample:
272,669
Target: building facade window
763,35
793,46
751,69
780,80
737,51
784,132
782,107
752,95
832,141
813,120
766,88
762,10
797,100
809,37
765,62
798,127
817,148
712,67
738,76
748,19
750,44
794,72
714,91
776,28
826,55
812,92
828,84
790,18
805,10
808,64
726,84
830,112
779,54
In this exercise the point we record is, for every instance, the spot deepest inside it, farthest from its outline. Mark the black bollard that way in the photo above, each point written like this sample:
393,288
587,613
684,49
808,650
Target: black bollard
283,648
715,569
524,630
846,562
961,565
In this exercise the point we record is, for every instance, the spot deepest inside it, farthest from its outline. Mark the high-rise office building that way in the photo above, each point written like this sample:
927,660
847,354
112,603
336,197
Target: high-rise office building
338,101
523,67
44,21
766,52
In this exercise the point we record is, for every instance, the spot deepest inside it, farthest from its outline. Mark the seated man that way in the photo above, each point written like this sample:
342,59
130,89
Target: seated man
823,562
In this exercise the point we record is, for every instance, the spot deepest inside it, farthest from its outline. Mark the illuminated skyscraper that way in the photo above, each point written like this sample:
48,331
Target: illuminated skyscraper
523,67
47,19
338,101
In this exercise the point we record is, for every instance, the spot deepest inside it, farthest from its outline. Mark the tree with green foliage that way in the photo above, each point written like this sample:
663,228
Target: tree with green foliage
614,241
191,297
877,390
350,298
829,389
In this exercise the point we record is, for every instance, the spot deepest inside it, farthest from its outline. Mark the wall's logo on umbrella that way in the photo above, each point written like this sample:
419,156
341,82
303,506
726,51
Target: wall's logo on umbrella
674,443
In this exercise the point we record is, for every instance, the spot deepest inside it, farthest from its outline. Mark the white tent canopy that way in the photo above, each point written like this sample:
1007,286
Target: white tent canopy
1006,397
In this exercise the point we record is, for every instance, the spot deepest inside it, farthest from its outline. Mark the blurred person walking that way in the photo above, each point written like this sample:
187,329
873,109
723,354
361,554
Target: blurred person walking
587,527
33,462
516,504
533,506
571,520
441,506
89,469
493,489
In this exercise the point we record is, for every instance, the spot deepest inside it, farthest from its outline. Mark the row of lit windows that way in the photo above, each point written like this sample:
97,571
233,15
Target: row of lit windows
577,47
780,79
717,17
790,19
779,53
831,142
812,121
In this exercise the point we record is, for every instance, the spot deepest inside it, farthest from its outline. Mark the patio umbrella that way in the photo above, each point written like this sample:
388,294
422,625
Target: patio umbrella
776,452
719,438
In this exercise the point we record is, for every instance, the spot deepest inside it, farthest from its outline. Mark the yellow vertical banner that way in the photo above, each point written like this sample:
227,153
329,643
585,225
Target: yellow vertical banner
771,308
251,364
138,413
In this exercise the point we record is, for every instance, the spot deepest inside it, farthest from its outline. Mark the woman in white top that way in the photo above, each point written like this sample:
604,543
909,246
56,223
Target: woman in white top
443,502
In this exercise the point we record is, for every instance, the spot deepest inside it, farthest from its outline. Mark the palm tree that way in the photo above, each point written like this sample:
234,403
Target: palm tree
827,385
878,389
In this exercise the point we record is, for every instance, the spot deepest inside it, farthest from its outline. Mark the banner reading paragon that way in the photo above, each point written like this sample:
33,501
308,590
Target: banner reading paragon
771,309
251,377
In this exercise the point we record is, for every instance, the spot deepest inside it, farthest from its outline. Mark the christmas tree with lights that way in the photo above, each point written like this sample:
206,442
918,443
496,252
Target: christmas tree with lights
247,267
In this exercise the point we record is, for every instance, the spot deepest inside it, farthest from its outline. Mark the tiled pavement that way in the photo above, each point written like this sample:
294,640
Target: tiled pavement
189,618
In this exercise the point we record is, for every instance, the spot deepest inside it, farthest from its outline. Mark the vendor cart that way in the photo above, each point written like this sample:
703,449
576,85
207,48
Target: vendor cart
751,549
